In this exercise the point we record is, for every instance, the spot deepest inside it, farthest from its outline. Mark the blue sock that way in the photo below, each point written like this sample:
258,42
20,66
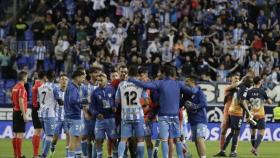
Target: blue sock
48,142
67,151
150,152
84,146
94,153
121,148
99,152
140,150
164,148
179,149
71,154
43,143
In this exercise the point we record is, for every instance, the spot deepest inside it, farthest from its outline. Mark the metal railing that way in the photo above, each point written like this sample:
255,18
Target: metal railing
25,47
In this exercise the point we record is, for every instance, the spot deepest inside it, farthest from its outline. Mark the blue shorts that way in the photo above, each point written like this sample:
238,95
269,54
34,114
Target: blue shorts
61,124
75,127
260,124
88,127
184,131
49,125
199,131
132,128
235,122
105,126
168,127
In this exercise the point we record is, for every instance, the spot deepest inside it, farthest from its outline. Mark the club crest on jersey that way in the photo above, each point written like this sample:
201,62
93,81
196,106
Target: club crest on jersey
99,96
109,95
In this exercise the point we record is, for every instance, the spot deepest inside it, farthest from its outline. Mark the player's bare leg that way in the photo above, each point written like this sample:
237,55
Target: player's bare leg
109,147
200,147
75,142
170,148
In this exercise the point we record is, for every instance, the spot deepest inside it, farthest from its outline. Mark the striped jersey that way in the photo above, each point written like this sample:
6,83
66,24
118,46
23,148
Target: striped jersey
130,95
85,92
47,99
59,109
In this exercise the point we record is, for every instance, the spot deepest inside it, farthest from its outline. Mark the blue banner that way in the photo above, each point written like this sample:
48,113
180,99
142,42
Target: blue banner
272,131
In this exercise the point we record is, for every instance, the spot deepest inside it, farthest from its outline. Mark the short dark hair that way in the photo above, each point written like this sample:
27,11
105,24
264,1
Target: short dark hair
63,75
80,68
88,77
247,81
191,77
94,69
235,74
21,75
133,71
50,75
169,71
123,67
142,70
41,75
77,74
257,80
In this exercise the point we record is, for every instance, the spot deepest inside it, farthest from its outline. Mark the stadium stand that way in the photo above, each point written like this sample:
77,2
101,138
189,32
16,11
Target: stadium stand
206,38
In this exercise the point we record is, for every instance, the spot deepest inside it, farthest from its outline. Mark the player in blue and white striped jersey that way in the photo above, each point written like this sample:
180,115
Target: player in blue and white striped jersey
132,115
89,85
61,123
48,98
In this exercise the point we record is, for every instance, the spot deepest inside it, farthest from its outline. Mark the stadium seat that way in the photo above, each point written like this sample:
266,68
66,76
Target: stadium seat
9,84
31,62
23,61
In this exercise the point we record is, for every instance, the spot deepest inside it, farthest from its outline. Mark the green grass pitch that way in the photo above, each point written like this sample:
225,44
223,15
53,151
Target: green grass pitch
267,149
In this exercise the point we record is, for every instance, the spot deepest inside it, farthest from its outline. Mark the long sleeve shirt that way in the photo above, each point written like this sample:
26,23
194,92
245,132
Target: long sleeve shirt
198,114
169,94
72,102
102,102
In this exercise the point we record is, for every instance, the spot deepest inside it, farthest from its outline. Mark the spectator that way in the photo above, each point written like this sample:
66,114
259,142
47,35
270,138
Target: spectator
59,57
49,28
222,73
5,62
40,52
38,28
20,28
3,31
255,65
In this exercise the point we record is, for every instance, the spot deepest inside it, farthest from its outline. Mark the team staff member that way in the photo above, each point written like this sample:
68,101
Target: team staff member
73,103
256,97
35,116
19,101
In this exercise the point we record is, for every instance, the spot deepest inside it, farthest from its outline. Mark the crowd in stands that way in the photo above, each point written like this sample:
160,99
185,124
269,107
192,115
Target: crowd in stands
207,38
